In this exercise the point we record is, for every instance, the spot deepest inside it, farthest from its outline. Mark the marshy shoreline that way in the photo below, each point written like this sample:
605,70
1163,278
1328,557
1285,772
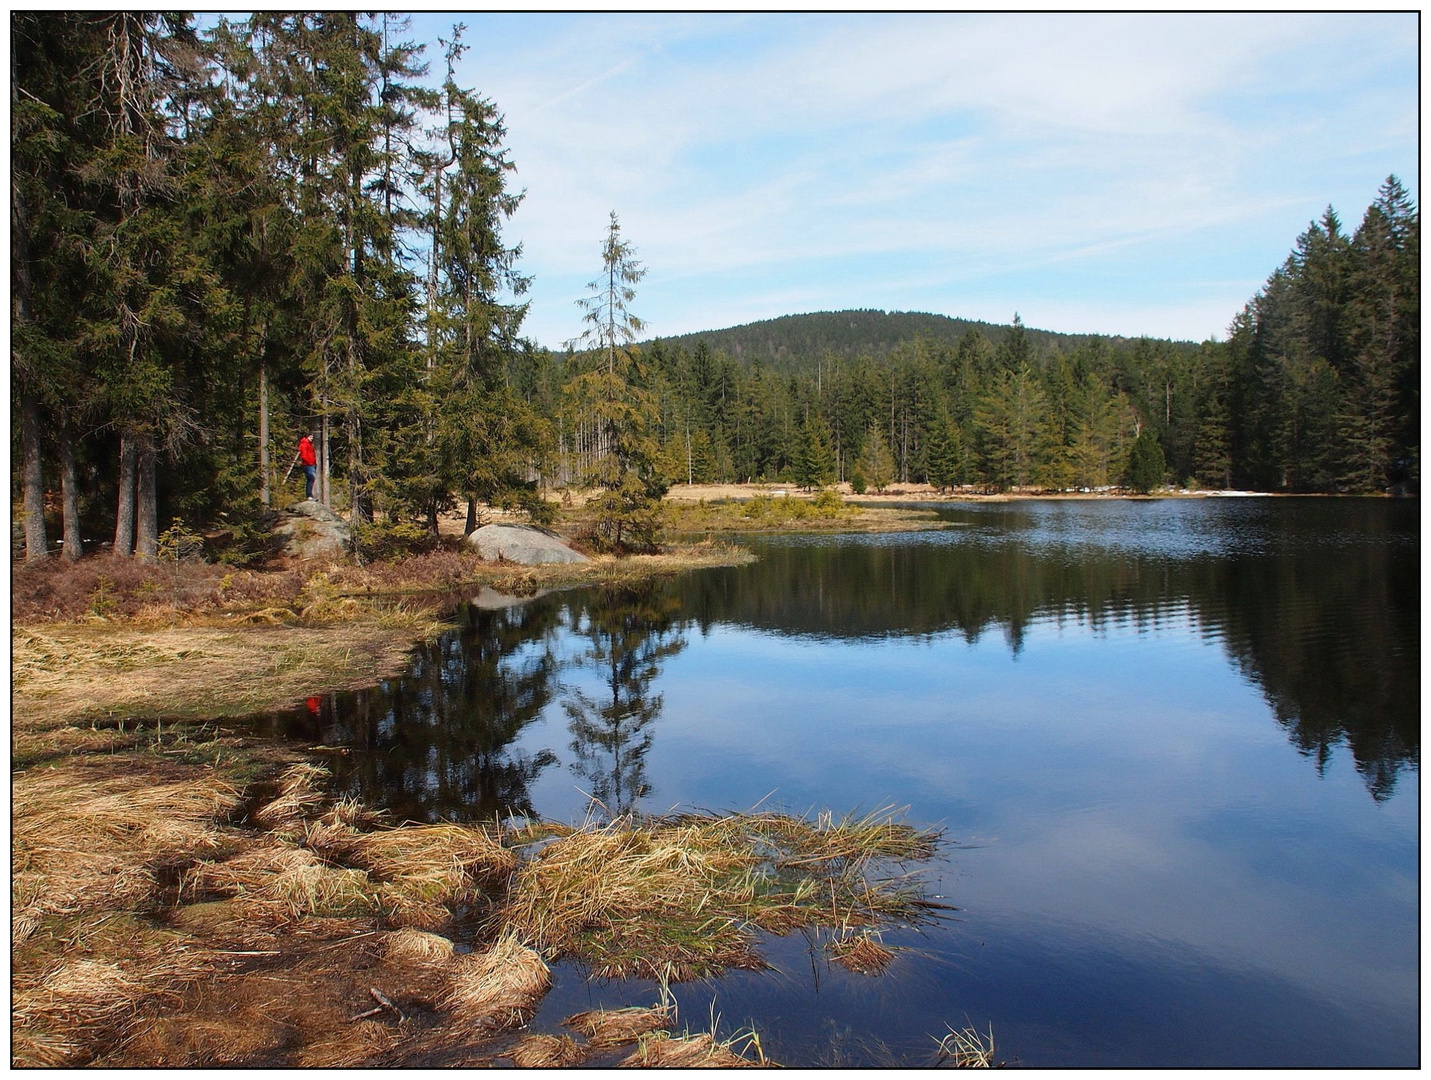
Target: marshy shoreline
188,893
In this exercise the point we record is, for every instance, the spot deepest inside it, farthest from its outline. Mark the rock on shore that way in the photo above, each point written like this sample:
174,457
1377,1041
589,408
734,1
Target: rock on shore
309,530
524,544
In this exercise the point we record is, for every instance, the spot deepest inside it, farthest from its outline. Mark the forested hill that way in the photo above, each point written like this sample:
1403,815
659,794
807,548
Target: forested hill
793,342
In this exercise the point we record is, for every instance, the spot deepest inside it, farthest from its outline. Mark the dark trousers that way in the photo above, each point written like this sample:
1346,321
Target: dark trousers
310,472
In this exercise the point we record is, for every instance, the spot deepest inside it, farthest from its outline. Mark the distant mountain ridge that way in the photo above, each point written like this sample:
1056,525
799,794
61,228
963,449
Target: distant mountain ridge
791,341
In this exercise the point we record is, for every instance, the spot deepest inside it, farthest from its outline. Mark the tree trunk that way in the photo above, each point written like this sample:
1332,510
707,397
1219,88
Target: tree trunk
146,541
471,526
265,481
69,488
36,542
124,517
326,496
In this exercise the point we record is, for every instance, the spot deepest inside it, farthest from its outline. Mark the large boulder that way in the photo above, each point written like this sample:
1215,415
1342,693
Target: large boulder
524,544
309,530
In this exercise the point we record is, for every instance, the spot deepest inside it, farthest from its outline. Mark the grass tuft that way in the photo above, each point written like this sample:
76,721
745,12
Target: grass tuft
966,1049
299,793
861,953
681,898
547,1052
605,1028
410,945
498,988
699,1051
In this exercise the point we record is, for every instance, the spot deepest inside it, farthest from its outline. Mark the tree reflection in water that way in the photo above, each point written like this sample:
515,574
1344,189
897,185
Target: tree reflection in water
438,743
1316,601
629,632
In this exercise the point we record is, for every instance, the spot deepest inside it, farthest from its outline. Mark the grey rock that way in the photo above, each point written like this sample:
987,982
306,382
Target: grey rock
309,530
524,544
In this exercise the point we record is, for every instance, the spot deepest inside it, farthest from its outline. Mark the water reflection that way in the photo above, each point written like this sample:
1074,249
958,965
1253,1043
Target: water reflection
627,634
1315,601
439,743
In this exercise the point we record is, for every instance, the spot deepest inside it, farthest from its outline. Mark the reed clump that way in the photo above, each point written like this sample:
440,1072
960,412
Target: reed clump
498,988
861,953
548,1052
683,897
698,1051
300,792
289,881
615,1027
425,871
966,1048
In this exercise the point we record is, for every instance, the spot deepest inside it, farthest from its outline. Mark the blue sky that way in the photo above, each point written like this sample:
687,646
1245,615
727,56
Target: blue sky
1118,173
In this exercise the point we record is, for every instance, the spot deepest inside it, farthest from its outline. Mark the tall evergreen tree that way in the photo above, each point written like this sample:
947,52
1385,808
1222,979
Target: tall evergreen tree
613,395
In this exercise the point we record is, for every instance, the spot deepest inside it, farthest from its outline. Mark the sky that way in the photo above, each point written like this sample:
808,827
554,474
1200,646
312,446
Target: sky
1117,173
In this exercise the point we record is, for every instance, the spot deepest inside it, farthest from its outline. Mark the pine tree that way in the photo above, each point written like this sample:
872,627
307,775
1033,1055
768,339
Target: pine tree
877,463
620,408
1145,464
815,461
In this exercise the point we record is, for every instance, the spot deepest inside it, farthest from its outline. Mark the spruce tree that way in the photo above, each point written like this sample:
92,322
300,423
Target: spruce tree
611,395
1146,465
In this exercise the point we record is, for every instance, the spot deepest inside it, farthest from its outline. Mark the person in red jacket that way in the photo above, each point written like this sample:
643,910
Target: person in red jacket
310,463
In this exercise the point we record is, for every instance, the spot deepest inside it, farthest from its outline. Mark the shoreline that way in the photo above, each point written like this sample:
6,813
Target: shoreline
924,493
172,870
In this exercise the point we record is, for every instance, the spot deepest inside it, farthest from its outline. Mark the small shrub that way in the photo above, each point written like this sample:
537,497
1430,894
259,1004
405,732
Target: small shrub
388,540
101,601
179,543
828,503
758,506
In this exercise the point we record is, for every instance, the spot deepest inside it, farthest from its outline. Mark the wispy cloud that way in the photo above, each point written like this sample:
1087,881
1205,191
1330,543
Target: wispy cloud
832,160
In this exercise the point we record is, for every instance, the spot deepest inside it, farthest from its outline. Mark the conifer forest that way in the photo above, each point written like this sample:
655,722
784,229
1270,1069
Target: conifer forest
299,223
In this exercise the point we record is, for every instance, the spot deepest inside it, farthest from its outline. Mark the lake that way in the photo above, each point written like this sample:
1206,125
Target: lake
1174,746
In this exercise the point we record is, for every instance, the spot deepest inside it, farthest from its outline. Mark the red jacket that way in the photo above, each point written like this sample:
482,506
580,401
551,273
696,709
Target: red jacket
305,451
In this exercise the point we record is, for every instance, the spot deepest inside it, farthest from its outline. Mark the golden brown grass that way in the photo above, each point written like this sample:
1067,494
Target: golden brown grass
300,792
966,1049
101,838
412,946
425,870
498,988
547,1052
289,881
68,673
616,1027
862,954
699,1051
681,898
761,512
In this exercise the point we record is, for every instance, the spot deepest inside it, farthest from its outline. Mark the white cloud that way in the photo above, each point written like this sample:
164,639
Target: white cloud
764,145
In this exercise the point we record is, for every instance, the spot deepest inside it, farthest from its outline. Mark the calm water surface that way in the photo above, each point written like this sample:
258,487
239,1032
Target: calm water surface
1174,745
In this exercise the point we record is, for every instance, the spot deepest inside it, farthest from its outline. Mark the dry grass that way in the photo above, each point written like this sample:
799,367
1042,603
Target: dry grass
115,970
617,1027
966,1049
426,870
100,838
699,1051
413,946
300,792
862,954
289,881
547,1052
65,674
681,898
498,988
